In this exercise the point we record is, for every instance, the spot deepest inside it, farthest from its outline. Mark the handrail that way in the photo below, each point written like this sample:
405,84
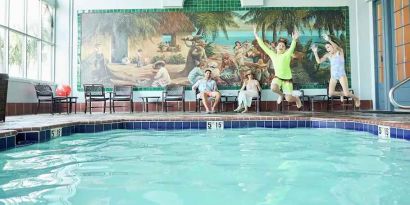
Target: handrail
391,95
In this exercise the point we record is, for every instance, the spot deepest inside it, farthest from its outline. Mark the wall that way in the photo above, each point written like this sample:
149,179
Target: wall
361,67
360,20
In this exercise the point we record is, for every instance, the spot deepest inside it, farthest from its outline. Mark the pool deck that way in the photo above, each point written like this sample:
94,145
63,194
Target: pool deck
26,123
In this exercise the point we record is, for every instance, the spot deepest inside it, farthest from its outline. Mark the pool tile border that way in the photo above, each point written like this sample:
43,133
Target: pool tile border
25,136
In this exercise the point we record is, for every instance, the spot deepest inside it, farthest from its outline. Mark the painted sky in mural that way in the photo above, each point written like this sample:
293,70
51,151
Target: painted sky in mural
148,49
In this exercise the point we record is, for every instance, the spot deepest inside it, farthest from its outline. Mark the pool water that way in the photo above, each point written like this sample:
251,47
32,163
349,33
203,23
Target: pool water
231,167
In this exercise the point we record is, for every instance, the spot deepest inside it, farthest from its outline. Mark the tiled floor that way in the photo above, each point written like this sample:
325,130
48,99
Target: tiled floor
47,121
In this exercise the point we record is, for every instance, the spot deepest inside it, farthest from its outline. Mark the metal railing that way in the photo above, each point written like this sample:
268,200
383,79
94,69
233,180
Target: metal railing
391,95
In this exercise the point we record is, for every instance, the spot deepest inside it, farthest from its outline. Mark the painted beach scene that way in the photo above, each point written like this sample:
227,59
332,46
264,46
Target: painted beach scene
154,49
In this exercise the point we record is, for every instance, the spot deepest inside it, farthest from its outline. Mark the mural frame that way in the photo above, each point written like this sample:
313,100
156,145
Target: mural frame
209,8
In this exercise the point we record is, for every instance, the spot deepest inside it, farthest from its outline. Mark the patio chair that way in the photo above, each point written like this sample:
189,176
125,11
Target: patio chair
122,93
173,93
255,100
45,93
333,101
198,100
94,93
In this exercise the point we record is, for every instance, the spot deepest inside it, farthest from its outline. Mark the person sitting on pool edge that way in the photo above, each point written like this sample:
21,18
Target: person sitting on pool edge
208,89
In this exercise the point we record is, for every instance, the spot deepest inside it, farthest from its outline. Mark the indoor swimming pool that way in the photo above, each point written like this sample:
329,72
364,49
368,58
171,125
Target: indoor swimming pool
232,166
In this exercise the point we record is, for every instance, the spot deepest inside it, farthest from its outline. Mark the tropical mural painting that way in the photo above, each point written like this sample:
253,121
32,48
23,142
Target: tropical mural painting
153,49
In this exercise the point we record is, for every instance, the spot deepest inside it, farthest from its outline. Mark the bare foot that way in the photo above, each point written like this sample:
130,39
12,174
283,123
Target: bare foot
246,110
213,110
298,103
279,100
357,102
238,109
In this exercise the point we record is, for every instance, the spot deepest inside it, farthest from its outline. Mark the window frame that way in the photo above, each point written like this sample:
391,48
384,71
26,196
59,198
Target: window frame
26,37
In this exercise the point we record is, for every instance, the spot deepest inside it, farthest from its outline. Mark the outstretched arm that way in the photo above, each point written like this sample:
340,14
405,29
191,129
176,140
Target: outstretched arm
318,60
262,44
295,37
335,46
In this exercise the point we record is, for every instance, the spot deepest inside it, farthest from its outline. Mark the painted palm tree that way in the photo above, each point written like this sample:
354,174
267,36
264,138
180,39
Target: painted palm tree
329,20
210,23
172,23
140,25
275,20
289,19
121,26
259,18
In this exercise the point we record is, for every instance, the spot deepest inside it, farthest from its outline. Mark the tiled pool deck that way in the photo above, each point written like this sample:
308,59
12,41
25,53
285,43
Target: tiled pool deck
19,130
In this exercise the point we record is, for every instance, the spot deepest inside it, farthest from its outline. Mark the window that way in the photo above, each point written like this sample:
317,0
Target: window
46,59
33,18
27,38
17,16
402,38
47,22
3,51
33,50
16,66
3,13
379,24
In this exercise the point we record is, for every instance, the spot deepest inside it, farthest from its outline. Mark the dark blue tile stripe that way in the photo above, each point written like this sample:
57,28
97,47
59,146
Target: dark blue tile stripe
406,134
11,142
3,144
43,136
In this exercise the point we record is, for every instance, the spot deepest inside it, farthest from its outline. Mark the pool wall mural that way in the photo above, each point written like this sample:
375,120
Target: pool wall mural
132,46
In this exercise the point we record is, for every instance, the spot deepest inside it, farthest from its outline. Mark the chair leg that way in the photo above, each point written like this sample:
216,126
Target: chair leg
75,106
68,108
38,105
53,106
113,106
85,107
257,106
105,103
332,105
183,105
131,107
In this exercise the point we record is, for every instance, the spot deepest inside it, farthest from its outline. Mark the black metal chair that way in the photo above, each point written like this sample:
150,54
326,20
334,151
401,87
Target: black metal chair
173,93
45,93
122,93
333,101
227,99
94,93
257,101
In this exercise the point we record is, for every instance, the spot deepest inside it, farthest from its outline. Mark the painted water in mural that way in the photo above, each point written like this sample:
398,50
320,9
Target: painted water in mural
153,49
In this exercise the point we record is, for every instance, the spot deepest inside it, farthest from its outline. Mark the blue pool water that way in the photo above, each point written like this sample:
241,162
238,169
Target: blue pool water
240,166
